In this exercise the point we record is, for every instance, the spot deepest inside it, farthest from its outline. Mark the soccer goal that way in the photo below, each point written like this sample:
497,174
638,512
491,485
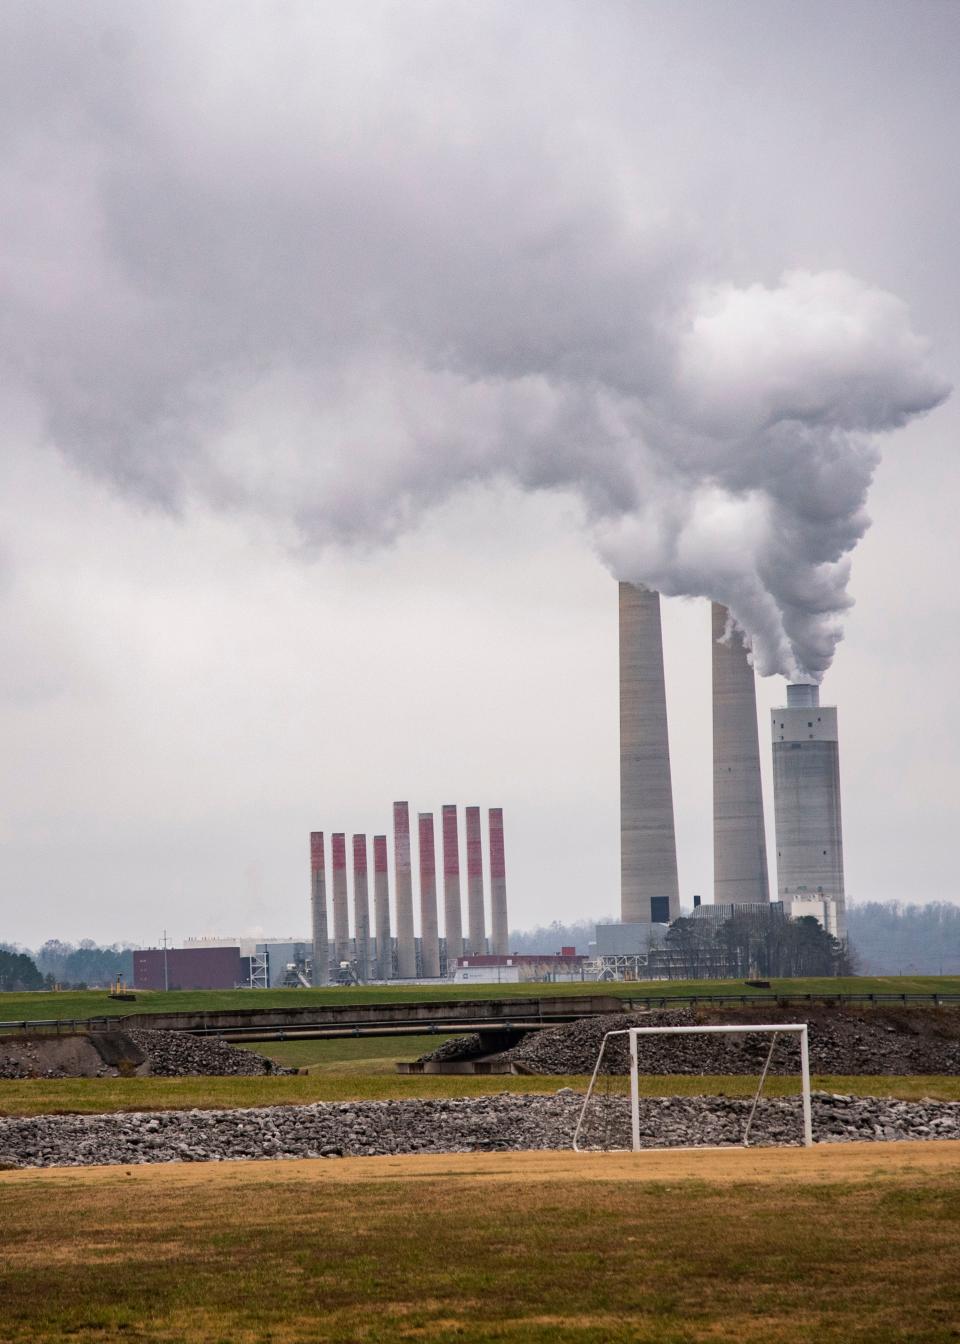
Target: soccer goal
635,1034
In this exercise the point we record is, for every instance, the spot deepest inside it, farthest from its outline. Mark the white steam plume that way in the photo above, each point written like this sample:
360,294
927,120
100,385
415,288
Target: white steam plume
366,265
736,468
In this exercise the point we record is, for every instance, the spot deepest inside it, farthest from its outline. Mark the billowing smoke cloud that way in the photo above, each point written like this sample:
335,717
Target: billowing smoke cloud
334,268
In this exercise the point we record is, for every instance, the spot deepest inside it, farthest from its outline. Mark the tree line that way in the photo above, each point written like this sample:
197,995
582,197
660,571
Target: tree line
83,965
747,945
893,938
884,938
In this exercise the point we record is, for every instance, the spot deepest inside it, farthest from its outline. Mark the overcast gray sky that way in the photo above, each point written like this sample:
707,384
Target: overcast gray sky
349,350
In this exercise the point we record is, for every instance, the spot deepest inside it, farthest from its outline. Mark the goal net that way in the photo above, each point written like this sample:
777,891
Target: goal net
611,1121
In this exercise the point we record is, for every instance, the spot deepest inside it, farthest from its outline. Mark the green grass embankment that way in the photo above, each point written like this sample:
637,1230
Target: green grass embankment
349,1056
66,1004
90,1096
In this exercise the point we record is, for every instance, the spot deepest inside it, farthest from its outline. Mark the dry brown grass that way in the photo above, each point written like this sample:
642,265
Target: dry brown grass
845,1244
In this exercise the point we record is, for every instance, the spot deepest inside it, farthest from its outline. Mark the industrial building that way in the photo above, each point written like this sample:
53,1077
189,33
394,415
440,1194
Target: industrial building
517,968
377,953
190,968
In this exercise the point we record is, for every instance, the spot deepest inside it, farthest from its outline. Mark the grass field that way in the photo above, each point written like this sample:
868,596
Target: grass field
348,1054
96,1003
842,1244
90,1096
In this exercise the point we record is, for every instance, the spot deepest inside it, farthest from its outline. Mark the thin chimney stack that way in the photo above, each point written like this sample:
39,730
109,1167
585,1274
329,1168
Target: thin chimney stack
498,886
476,922
381,908
361,908
318,911
406,949
452,919
341,919
429,939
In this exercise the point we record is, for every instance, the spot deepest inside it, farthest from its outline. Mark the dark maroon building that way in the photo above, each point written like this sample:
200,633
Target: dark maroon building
187,968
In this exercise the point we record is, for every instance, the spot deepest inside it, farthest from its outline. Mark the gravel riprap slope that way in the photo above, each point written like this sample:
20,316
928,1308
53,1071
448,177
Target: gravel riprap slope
500,1122
868,1041
174,1054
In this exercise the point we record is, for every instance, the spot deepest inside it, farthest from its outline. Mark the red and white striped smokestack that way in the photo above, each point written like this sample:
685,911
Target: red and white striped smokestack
406,948
429,940
452,919
361,908
318,911
498,886
341,919
381,908
475,919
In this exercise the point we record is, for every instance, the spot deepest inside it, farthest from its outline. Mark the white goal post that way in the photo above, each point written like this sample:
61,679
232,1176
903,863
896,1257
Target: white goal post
740,1029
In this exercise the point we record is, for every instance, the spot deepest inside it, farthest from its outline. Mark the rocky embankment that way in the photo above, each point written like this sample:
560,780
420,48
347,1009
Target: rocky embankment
842,1042
175,1054
478,1124
170,1054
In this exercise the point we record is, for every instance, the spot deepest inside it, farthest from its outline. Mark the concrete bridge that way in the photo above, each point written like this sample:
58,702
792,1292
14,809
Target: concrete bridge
508,1016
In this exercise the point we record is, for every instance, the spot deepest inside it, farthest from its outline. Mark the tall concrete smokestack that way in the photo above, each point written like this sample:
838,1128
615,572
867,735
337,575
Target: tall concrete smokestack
452,919
806,800
406,948
476,923
739,839
318,911
341,918
381,908
649,890
429,942
361,907
498,886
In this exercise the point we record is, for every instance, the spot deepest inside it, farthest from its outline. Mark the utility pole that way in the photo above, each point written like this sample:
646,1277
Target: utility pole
166,972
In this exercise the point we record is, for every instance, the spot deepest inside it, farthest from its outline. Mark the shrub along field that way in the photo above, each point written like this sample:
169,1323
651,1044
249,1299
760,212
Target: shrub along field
735,1248
97,1002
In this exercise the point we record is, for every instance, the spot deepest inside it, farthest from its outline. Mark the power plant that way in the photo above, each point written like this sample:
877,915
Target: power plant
809,844
406,957
806,788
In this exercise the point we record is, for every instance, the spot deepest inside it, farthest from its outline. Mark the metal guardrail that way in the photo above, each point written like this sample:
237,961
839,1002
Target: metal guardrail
432,1025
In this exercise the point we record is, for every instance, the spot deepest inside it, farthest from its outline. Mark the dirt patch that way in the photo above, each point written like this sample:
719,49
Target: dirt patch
52,1057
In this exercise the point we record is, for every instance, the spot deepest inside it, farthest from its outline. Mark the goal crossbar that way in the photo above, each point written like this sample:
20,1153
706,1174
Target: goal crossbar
774,1029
